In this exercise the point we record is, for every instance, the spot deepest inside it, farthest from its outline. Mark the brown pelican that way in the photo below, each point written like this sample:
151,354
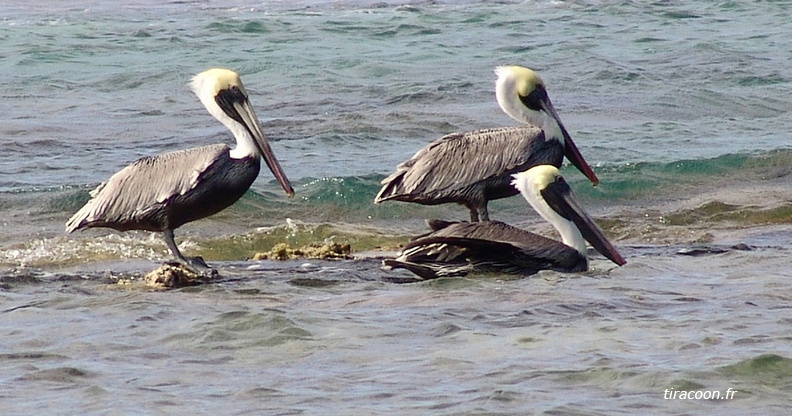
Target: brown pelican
475,167
164,192
459,248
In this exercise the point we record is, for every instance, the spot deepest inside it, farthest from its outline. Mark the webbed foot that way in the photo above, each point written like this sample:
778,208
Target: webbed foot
198,266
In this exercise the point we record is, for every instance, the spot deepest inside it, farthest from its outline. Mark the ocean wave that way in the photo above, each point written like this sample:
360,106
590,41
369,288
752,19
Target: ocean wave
351,198
659,203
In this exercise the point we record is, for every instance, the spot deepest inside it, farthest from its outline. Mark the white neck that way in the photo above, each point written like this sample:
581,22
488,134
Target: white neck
245,145
570,234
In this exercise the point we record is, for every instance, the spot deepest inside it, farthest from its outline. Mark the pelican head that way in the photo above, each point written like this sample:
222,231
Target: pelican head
549,194
522,95
222,93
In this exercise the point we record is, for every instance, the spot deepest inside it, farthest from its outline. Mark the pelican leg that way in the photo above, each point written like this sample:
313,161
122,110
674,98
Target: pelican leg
474,212
483,213
195,264
478,213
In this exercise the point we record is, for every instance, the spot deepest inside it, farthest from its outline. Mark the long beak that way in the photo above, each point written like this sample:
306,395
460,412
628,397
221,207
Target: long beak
560,197
570,150
251,123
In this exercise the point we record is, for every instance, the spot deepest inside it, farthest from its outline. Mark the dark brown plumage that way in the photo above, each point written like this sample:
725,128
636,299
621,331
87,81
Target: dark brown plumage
476,167
150,194
461,248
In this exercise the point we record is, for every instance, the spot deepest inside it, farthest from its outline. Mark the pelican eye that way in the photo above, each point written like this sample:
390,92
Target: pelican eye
227,98
535,99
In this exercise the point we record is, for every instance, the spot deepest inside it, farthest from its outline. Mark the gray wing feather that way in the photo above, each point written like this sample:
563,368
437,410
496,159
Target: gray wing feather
458,160
496,231
142,187
482,242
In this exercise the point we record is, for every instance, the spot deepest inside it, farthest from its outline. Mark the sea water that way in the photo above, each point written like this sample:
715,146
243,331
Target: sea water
683,109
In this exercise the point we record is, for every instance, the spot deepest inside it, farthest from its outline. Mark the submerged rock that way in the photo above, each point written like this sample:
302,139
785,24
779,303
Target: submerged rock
283,251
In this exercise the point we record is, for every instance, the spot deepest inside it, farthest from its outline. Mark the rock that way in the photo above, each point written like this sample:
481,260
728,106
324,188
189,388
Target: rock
282,251
169,276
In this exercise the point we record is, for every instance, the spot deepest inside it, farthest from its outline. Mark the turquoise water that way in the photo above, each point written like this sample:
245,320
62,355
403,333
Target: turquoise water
683,109
347,90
